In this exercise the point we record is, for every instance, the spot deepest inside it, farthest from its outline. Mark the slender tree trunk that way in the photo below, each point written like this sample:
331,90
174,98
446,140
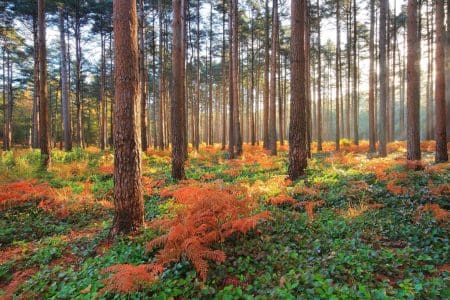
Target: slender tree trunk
210,81
43,93
142,77
447,71
266,79
35,129
273,81
78,100
128,194
224,84
429,89
297,127
161,142
252,86
338,71
236,76
103,117
67,123
232,87
372,140
319,81
413,88
355,79
441,134
384,7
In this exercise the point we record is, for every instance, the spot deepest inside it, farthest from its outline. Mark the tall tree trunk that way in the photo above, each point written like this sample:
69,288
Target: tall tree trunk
447,71
35,114
210,81
413,88
142,77
128,193
67,122
224,84
429,88
103,117
43,93
236,93
384,7
78,100
252,86
355,79
338,71
441,133
372,124
266,78
178,100
273,81
297,127
232,87
319,81
161,142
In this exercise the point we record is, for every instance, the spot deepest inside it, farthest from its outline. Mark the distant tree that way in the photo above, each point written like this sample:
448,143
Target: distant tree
128,193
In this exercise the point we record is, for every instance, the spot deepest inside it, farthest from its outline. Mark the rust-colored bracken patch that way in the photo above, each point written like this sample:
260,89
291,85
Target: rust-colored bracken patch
18,278
439,213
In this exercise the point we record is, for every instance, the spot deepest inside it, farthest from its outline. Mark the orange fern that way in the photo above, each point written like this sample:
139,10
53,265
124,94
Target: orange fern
281,199
309,207
17,193
439,213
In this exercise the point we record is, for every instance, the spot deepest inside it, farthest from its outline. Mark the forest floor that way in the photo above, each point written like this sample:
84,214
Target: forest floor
355,228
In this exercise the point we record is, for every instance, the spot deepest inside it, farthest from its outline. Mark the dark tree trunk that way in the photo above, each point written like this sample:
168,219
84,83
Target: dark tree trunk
355,79
266,79
319,82
441,134
273,82
338,71
297,127
142,77
35,121
413,88
65,105
78,100
178,100
372,124
128,194
43,93
224,84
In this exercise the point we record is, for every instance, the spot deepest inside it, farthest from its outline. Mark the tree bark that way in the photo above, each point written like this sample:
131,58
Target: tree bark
178,100
338,71
266,79
273,82
142,77
65,105
441,133
35,114
128,194
413,88
372,141
43,93
384,7
297,127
